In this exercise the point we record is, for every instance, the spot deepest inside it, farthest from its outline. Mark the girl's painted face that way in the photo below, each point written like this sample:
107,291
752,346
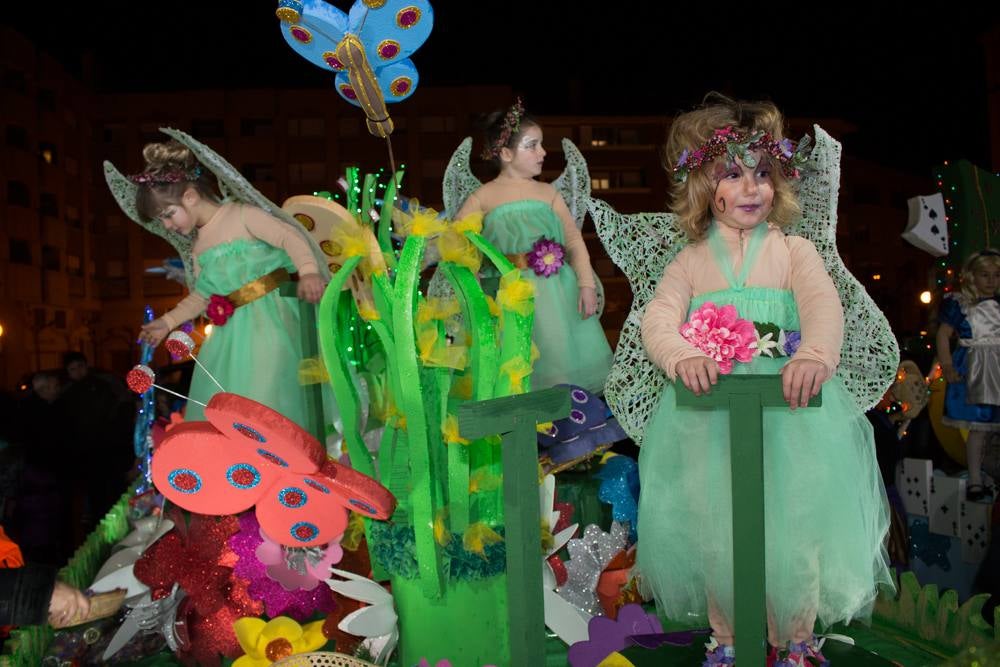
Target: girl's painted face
528,155
986,279
743,196
176,218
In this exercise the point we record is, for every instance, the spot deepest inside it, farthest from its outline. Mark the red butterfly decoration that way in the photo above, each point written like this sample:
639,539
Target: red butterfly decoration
248,455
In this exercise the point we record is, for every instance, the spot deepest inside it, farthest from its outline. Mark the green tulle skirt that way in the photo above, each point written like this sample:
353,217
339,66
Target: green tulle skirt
825,507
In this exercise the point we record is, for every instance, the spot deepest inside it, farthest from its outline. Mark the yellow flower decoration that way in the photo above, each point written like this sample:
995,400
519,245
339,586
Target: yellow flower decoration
449,430
482,481
441,533
516,370
354,532
434,351
266,642
516,293
478,536
548,540
367,311
457,249
616,659
426,223
494,308
312,371
437,308
470,223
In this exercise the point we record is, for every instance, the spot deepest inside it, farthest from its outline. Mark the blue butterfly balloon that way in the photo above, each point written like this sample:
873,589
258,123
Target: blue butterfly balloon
368,48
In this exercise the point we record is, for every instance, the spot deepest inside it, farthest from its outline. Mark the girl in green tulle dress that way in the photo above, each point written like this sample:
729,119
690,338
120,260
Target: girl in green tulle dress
744,298
529,221
240,256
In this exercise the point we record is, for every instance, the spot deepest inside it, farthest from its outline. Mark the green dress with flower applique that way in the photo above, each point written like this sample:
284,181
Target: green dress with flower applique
256,353
825,508
572,350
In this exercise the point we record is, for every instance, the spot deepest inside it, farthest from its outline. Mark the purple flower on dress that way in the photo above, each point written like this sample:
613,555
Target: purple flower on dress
546,257
792,341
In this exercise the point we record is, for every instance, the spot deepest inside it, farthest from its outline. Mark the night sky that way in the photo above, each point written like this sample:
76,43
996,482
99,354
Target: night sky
912,79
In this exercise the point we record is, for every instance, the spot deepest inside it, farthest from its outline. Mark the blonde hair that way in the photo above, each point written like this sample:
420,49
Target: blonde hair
690,200
987,257
167,158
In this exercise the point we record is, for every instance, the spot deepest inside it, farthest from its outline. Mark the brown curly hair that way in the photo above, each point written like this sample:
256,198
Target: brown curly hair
690,200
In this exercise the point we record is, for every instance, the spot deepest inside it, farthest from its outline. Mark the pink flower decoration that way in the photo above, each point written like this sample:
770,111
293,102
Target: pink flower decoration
721,334
278,600
219,309
271,554
546,257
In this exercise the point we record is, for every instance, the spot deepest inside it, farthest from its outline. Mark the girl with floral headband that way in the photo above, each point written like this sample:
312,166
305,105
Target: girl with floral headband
530,222
240,256
972,400
744,298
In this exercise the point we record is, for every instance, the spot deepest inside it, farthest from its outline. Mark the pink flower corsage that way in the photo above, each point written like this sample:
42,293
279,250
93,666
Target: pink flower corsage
219,309
546,257
721,334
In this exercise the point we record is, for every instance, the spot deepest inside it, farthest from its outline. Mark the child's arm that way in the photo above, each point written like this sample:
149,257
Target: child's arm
943,340
280,235
821,319
661,330
579,258
189,307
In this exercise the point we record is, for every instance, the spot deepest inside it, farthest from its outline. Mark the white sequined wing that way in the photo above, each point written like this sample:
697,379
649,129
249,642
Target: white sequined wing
574,182
870,354
123,190
459,181
641,245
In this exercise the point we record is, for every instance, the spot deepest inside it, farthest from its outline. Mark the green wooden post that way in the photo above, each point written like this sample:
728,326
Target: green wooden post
515,417
313,394
745,396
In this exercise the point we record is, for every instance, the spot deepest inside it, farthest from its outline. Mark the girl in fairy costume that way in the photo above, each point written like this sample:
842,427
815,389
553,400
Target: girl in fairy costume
529,220
744,298
236,255
972,400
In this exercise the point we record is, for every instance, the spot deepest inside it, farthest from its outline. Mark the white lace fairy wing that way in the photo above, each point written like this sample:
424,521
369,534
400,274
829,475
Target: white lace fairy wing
641,245
124,191
870,354
574,182
459,181
234,186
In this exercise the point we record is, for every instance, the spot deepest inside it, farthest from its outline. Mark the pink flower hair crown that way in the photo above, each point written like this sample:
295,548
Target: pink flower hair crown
511,126
167,177
738,144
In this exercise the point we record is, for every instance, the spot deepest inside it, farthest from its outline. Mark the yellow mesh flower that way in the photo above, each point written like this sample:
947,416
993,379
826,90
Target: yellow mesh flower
449,430
312,371
354,532
482,481
516,370
456,248
478,536
434,351
516,293
470,223
494,308
441,533
427,223
437,308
